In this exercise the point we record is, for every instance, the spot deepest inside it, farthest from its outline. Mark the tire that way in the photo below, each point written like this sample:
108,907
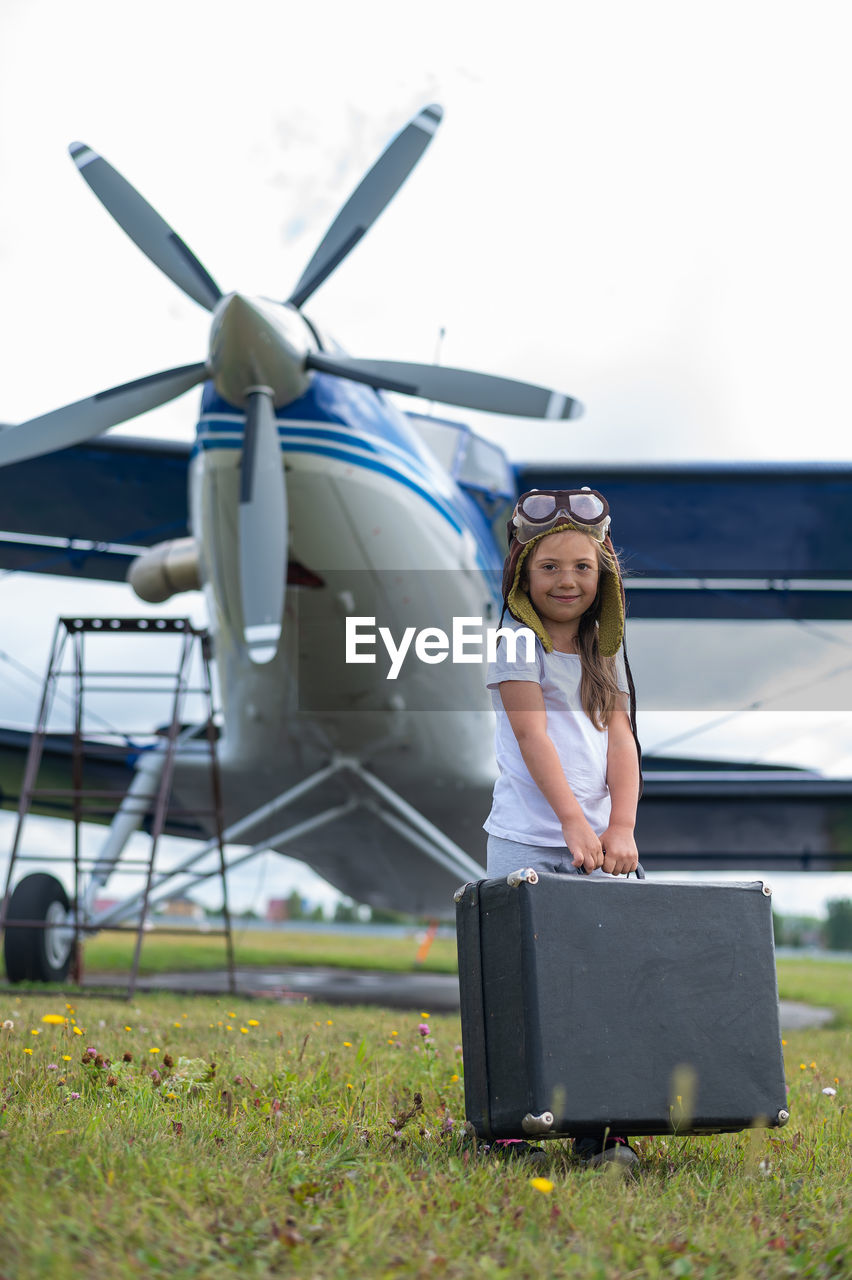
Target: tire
36,955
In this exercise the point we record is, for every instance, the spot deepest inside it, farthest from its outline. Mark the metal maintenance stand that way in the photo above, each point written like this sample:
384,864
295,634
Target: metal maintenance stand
41,942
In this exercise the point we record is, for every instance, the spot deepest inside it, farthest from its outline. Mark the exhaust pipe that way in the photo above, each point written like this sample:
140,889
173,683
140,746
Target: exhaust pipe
166,570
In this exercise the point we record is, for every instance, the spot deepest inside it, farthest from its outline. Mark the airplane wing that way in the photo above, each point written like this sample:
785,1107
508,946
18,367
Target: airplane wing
90,510
724,540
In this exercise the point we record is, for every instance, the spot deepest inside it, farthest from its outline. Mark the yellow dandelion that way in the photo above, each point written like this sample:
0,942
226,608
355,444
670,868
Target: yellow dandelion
253,1022
228,1027
454,1079
801,1066
542,1184
837,1079
154,1050
70,1008
232,1015
328,1022
55,1019
128,1028
171,1095
33,1032
244,1031
391,1042
347,1044
28,1051
784,1042
394,1033
77,1031
177,1024
66,1057
424,1015
813,1064
349,1086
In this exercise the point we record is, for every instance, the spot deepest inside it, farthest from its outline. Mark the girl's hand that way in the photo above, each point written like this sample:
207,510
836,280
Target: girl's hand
620,853
583,844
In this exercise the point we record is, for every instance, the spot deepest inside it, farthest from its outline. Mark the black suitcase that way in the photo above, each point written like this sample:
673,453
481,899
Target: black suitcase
644,1006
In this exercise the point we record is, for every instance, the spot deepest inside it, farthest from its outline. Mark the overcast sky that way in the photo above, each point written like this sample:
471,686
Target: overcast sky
644,205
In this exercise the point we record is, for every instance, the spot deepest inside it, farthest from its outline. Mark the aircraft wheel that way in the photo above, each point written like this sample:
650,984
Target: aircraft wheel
38,955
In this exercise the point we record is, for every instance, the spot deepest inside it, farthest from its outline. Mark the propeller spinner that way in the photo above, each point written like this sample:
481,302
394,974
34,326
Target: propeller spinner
260,357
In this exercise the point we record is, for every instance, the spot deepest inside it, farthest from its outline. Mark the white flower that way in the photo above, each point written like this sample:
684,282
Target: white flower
831,1092
8,1025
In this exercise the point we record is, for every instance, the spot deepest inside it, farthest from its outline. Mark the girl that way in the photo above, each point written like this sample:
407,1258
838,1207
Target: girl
565,798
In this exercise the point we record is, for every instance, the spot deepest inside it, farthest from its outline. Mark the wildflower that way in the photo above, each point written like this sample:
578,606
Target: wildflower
70,1007
55,1019
168,1060
447,1125
128,1028
244,1031
92,1050
53,1066
238,1079
155,1077
127,1057
253,1022
454,1078
77,1031
33,1032
784,1042
813,1064
232,1015
154,1050
423,1029
829,1091
542,1184
171,1095
801,1066
73,1096
424,1015
112,1080
347,1044
328,1022
28,1051
177,1024
8,1025
66,1057
349,1086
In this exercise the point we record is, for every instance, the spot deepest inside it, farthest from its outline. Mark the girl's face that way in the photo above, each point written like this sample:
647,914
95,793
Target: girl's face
562,574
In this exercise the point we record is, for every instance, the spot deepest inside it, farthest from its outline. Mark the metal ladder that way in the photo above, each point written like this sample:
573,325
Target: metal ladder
153,750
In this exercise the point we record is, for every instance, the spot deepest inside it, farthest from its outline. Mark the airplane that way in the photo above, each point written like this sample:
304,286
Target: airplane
323,524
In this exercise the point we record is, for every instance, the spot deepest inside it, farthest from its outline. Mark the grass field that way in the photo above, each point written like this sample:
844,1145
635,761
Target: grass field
304,1152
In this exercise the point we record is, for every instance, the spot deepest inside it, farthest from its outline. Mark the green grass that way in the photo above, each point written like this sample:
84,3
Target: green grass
295,1157
161,953
821,982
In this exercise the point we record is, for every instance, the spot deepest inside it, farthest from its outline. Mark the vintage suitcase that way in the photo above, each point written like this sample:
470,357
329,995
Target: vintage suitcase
645,1006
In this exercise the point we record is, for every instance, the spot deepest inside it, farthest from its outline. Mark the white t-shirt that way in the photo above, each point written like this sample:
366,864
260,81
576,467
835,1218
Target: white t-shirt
519,810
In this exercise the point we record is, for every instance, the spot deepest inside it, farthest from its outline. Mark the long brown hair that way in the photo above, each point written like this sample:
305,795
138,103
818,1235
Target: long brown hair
599,691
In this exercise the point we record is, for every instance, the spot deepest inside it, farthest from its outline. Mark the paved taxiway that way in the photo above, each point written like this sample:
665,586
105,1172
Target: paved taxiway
432,992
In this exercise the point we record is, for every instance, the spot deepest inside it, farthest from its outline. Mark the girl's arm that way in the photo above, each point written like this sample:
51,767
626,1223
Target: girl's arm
622,776
524,705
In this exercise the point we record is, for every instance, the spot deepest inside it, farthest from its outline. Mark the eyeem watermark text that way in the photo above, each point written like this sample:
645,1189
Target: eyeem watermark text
470,642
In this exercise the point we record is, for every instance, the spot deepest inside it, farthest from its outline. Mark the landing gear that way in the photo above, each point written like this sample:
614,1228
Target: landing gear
38,955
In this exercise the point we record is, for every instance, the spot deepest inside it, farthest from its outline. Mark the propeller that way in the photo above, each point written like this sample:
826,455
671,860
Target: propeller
375,190
87,418
452,386
259,356
263,527
145,227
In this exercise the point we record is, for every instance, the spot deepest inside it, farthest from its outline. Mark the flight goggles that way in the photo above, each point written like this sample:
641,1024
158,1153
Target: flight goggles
542,509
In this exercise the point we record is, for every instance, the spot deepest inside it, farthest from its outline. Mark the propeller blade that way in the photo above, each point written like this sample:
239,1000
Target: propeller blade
263,528
145,227
375,190
85,419
453,386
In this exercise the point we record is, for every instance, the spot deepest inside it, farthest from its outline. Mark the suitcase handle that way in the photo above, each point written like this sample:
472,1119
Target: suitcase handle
639,873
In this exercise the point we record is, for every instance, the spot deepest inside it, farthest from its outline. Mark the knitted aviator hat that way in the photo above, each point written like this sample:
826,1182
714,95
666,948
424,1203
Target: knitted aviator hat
610,599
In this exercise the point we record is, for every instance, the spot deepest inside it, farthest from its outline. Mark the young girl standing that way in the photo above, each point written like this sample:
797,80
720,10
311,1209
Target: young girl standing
569,781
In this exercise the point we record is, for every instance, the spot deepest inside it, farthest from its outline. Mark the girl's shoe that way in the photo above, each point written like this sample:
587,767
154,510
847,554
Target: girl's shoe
592,1152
